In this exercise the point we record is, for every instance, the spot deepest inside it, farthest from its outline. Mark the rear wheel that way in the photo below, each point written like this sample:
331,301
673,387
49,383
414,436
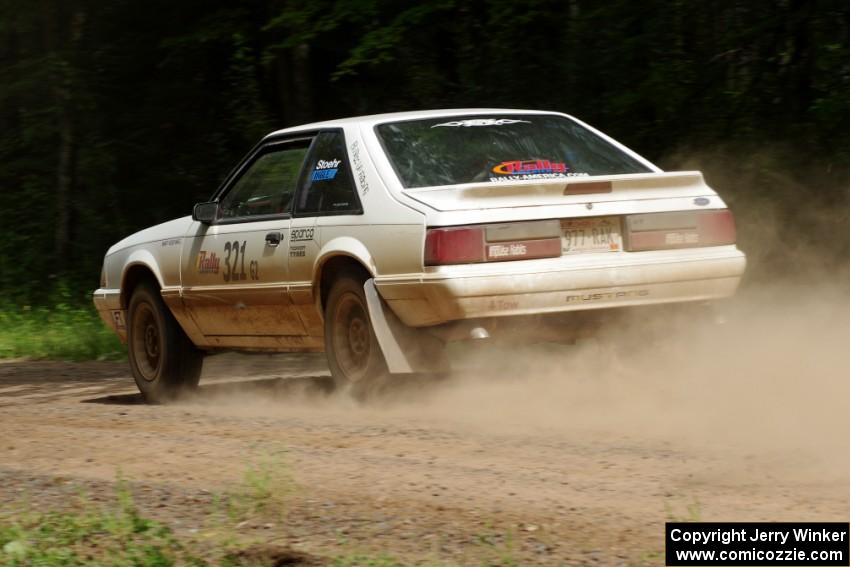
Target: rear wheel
354,355
163,360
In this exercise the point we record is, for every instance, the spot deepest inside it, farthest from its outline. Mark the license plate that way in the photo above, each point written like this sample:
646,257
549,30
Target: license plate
598,234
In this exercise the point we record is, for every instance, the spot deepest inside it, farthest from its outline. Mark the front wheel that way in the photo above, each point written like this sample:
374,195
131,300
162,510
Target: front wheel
354,355
163,360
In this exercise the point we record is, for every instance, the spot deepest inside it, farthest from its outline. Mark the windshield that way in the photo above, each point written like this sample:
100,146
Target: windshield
499,148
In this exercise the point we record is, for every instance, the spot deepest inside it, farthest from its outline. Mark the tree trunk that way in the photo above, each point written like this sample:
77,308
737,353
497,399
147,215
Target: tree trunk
64,182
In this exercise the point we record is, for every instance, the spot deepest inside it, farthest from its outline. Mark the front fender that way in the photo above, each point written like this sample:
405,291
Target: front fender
142,258
139,259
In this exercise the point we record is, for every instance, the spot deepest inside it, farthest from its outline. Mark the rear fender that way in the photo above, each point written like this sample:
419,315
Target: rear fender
340,246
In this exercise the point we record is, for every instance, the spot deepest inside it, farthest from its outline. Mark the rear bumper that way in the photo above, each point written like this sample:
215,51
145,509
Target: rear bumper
575,283
108,305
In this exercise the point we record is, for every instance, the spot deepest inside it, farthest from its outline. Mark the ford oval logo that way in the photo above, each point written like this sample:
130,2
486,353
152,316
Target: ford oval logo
701,201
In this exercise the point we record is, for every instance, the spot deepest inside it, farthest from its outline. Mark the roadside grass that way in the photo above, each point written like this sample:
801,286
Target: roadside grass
693,512
261,497
497,548
358,560
62,331
90,537
117,534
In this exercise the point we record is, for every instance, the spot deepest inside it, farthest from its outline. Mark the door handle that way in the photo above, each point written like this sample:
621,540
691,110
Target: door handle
273,239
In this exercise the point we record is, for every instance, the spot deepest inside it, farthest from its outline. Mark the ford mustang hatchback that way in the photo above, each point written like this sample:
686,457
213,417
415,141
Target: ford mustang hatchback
378,239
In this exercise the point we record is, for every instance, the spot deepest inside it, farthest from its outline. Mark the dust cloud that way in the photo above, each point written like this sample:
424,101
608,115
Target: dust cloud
767,388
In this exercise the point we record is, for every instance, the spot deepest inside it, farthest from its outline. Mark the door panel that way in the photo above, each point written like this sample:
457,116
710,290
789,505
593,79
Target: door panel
235,283
235,271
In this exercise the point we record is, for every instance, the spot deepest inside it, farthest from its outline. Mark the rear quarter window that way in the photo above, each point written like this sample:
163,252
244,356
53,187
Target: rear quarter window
327,185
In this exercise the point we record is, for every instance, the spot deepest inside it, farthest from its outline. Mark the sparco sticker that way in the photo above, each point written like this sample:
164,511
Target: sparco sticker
301,234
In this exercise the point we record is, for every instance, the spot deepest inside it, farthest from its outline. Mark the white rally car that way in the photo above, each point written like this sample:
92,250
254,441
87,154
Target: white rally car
379,238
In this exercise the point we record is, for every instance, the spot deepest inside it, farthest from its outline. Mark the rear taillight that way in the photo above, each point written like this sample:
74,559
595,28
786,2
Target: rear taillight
463,245
717,228
681,229
492,242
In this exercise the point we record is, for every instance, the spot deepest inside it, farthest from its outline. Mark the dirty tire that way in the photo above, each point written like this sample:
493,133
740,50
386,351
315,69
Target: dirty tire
163,360
354,355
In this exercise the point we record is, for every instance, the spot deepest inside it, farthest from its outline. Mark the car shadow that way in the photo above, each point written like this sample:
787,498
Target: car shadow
271,388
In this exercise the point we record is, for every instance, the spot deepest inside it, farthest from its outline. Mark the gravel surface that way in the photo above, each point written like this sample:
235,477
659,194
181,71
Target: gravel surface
486,467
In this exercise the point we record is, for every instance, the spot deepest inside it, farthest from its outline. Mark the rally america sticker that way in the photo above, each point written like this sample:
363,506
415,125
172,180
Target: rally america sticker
531,169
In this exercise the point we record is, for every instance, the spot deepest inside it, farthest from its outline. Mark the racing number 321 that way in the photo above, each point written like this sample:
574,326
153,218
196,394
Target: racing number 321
235,260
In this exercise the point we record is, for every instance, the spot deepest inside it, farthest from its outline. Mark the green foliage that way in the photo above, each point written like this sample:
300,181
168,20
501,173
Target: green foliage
264,491
118,536
358,560
692,513
60,331
117,116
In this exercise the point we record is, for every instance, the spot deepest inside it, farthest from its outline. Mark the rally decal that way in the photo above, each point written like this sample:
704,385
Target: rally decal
301,234
531,169
325,170
479,122
358,167
234,263
207,262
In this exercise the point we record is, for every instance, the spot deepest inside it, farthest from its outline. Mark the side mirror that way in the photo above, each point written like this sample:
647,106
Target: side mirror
205,212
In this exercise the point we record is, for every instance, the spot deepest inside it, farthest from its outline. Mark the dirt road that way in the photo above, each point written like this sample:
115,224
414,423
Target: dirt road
572,457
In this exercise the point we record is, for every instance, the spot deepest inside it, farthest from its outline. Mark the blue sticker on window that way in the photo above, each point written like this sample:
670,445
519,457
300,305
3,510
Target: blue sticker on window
325,169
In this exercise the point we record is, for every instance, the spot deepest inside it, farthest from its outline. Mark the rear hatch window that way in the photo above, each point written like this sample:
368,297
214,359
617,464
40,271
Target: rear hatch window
498,148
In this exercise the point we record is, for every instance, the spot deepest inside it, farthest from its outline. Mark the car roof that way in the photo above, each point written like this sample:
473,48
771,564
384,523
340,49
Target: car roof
372,119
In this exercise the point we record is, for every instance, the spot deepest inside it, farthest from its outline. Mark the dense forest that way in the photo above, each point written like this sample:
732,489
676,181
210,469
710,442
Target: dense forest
118,115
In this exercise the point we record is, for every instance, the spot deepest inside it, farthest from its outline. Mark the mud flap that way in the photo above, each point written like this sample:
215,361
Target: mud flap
407,350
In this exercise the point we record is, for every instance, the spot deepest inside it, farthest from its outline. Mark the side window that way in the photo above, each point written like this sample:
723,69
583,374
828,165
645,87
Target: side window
268,185
327,186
